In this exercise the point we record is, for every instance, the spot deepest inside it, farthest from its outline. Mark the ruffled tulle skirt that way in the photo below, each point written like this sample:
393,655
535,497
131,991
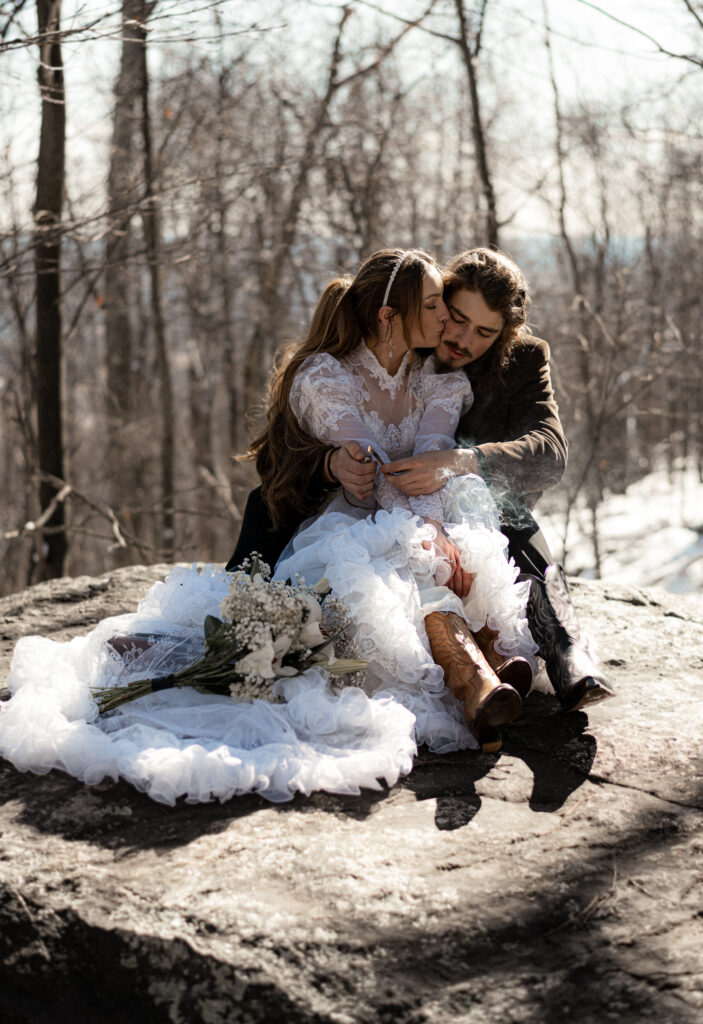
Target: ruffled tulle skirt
182,743
377,566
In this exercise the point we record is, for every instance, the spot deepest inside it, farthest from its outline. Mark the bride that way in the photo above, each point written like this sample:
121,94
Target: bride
416,575
420,575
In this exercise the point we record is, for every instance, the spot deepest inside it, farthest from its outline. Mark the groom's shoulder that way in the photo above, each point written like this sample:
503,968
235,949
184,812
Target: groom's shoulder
531,349
528,358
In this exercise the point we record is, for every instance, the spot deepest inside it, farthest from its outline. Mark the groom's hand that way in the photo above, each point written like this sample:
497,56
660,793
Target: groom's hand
427,472
355,475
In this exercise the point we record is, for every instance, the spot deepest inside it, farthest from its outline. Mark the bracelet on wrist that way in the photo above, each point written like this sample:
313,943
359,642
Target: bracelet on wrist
327,466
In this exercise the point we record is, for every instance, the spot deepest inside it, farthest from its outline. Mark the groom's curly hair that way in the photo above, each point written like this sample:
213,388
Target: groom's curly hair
287,457
501,283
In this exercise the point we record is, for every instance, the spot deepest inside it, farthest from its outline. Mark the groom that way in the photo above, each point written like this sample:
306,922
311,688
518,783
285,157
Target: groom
511,436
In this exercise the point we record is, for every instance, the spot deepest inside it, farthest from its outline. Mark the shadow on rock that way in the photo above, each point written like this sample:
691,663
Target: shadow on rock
112,814
117,817
554,746
591,939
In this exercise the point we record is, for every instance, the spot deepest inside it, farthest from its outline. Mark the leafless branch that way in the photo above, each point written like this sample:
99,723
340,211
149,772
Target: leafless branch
698,61
219,483
386,50
22,42
412,24
120,535
696,14
18,7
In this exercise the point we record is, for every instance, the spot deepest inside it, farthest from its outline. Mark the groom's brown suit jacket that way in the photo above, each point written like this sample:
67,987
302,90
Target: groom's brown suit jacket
514,423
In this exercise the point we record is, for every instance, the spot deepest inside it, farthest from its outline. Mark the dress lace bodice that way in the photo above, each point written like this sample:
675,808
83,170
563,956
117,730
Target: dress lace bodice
355,399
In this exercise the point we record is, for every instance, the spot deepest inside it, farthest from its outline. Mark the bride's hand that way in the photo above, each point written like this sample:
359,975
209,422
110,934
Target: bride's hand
356,476
459,580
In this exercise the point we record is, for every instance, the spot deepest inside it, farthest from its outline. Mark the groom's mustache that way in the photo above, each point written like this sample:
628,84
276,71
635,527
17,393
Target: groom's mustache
454,350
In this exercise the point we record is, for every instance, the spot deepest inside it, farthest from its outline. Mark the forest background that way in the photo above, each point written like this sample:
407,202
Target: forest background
180,179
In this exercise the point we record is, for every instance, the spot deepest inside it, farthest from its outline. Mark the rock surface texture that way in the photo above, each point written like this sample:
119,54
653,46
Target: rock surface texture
561,880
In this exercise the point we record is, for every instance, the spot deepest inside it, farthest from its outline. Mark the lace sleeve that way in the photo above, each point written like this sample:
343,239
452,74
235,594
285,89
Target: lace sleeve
325,399
446,396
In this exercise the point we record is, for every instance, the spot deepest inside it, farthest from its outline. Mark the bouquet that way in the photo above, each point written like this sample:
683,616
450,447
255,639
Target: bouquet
268,630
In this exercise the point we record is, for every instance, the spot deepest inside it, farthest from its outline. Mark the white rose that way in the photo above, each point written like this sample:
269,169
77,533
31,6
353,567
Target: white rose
281,644
311,635
258,663
313,607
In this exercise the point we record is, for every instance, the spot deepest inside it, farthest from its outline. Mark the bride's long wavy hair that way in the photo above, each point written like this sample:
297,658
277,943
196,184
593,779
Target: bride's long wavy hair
347,312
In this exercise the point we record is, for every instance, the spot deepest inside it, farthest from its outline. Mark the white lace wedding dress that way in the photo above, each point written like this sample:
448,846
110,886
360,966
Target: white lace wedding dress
373,556
180,743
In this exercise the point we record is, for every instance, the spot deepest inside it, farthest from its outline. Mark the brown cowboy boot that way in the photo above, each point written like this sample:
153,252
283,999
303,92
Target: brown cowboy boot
486,702
516,670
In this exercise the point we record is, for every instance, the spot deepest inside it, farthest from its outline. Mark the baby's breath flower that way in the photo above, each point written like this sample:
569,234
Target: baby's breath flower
269,630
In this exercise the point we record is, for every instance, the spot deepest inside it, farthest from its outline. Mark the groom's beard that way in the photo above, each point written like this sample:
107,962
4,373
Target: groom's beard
442,366
447,362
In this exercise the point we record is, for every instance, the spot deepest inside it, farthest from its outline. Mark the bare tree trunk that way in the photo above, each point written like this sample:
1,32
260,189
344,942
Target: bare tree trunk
594,421
18,439
122,448
47,239
150,221
19,398
469,55
225,283
202,432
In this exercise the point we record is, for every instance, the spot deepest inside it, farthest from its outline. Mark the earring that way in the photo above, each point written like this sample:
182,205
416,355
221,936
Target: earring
389,331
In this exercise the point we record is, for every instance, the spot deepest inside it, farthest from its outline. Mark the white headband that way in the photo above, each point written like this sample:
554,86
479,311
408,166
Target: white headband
391,279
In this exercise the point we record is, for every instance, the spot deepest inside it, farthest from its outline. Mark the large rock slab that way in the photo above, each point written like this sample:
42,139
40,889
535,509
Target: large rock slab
559,880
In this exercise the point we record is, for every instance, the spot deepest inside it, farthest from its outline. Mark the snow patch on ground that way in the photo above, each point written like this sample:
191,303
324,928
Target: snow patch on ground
652,535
